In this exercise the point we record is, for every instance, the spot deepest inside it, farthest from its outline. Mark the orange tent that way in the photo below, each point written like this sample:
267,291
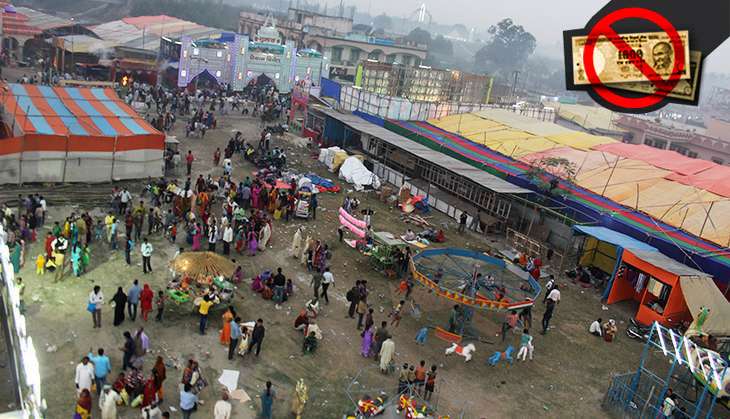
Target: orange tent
654,281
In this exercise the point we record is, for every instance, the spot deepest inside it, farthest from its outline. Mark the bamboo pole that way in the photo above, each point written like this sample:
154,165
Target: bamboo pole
706,218
603,192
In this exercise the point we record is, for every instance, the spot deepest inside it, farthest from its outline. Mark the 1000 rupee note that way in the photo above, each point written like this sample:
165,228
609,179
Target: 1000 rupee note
647,50
684,90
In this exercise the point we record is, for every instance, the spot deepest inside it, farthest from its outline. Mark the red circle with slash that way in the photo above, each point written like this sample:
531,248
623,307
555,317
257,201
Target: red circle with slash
603,27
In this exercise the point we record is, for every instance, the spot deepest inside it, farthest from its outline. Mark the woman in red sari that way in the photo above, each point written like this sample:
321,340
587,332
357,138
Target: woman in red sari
150,392
145,300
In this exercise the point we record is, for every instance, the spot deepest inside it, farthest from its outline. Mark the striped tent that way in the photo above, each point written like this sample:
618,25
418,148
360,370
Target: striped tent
56,134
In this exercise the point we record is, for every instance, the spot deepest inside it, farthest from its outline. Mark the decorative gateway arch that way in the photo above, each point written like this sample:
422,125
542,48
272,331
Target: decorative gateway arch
236,60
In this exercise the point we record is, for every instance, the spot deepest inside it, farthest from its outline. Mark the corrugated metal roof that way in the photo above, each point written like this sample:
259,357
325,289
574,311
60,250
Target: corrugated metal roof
668,264
43,21
478,176
144,32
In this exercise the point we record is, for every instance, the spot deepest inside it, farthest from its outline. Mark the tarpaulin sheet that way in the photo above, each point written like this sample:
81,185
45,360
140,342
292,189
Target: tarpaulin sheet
588,117
519,148
583,161
580,140
664,159
74,111
714,180
702,292
621,180
613,237
515,120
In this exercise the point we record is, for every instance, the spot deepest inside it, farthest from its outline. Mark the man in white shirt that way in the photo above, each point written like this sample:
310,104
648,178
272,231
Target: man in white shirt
84,375
554,294
327,280
595,328
227,239
222,409
125,197
146,250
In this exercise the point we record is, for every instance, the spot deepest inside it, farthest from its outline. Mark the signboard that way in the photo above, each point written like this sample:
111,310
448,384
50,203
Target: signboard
261,58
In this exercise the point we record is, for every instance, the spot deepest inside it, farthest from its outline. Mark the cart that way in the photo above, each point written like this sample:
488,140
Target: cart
385,251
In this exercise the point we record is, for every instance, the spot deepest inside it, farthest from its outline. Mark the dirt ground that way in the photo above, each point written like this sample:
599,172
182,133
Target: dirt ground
568,377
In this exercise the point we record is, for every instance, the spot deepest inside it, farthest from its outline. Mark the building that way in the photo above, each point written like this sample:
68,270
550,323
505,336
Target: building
127,47
25,30
422,83
57,134
238,61
334,37
708,143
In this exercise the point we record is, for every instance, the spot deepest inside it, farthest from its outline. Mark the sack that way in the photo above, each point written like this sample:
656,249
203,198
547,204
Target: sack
91,307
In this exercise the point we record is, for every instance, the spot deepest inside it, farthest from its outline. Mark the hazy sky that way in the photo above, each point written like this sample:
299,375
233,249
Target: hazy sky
545,20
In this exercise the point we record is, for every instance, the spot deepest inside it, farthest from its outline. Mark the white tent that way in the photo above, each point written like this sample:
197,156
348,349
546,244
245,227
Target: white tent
353,171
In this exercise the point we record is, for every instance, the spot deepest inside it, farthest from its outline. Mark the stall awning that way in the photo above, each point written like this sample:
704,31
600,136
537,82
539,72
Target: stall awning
702,292
667,264
615,238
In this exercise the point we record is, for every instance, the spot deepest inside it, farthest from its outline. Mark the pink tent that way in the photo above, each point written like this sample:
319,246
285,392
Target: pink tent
663,159
714,180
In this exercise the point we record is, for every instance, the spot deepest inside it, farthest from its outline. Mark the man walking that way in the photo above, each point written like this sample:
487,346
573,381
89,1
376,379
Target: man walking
353,297
84,375
235,337
133,299
128,247
189,161
462,221
327,280
227,239
146,250
102,368
316,283
552,300
257,336
125,198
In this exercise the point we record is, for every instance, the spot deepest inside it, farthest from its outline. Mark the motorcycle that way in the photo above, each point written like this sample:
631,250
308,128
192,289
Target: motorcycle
637,331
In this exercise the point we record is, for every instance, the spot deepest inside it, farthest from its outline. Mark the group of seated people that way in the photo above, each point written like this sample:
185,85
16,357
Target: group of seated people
427,235
605,330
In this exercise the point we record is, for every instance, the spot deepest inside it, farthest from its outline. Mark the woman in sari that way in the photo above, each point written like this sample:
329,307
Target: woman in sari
265,236
272,200
15,256
263,198
197,237
159,373
149,394
367,342
76,259
83,405
228,316
255,192
85,258
237,276
253,243
318,254
120,301
240,239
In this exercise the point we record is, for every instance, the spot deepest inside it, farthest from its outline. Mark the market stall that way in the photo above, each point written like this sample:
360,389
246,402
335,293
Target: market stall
196,274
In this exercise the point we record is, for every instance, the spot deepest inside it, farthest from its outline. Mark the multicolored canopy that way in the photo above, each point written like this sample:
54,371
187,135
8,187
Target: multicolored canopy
65,111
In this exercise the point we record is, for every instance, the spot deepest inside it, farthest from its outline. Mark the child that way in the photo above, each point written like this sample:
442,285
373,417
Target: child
40,265
99,230
396,314
289,288
160,302
310,260
430,383
525,345
173,233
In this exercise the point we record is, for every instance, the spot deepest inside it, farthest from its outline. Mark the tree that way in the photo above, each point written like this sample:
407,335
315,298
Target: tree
382,21
419,36
546,172
441,45
507,50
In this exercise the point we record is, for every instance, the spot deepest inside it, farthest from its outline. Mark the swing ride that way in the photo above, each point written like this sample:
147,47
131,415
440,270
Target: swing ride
473,280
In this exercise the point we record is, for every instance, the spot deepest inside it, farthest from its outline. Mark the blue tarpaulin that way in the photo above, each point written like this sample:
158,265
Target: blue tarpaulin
614,237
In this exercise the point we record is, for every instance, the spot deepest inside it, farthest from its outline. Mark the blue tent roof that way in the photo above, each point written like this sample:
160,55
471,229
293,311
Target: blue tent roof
615,238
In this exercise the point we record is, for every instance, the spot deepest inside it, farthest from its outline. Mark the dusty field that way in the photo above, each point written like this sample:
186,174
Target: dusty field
568,377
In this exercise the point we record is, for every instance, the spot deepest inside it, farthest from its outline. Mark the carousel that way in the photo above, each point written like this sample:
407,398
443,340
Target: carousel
197,274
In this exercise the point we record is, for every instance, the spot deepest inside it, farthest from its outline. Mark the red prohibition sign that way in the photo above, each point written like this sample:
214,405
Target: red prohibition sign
603,27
